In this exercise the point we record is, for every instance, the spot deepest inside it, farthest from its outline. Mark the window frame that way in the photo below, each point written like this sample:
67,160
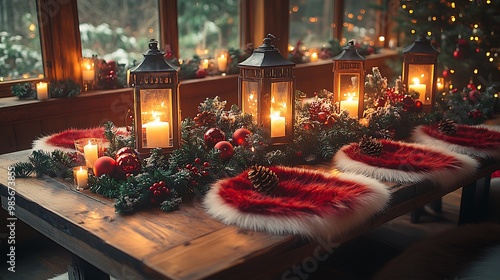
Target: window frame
61,56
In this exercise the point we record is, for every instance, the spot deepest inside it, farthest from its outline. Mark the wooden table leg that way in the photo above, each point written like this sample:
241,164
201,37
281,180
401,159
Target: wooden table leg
474,202
82,270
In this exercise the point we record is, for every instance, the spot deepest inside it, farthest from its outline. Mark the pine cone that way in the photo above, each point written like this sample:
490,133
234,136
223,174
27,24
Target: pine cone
370,146
263,179
204,119
448,127
385,134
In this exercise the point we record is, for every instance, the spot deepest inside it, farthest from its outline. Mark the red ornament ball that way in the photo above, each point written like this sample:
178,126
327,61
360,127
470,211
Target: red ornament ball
213,136
128,164
322,116
445,74
125,150
474,95
307,126
418,106
240,136
457,53
225,148
104,165
201,73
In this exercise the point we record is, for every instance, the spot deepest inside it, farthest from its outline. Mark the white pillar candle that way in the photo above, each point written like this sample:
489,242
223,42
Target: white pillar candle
420,88
81,176
222,63
90,151
42,92
88,73
157,134
350,106
314,57
277,126
204,64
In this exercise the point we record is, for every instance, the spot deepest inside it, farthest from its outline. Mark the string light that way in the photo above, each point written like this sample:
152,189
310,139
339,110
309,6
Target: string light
475,71
453,18
453,5
429,33
410,11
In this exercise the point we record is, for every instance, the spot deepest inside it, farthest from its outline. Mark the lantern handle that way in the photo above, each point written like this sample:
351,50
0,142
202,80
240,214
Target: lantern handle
269,39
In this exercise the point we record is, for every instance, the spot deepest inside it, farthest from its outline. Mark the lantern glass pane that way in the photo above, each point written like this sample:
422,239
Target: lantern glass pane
250,96
349,93
420,78
156,117
281,108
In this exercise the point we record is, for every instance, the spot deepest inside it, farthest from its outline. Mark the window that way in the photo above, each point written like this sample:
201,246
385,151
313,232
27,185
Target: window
311,25
20,48
118,31
360,22
207,27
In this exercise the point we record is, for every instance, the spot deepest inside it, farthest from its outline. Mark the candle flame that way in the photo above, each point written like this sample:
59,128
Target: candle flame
90,142
416,81
81,168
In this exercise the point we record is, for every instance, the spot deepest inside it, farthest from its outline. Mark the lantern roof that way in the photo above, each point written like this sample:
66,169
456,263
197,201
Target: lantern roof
266,55
421,45
154,61
349,53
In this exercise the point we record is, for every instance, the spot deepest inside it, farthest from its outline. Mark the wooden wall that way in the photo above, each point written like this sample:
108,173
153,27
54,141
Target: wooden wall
21,122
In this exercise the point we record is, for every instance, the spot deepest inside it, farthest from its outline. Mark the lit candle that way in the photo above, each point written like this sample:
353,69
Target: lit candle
222,63
350,106
41,91
81,176
440,85
204,64
420,88
88,73
90,151
314,57
277,126
157,134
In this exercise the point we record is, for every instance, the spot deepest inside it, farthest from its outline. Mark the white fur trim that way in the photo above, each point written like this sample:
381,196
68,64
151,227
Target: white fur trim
41,144
445,176
307,225
420,136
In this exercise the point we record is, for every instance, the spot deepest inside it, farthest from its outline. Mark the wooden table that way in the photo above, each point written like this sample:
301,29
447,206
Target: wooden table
185,244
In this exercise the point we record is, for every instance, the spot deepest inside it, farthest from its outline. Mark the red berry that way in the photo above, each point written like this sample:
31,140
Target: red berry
194,183
205,173
206,164
161,184
197,160
152,189
194,170
189,166
156,193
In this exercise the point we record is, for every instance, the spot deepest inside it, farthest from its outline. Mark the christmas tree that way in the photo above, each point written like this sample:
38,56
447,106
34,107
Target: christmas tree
466,33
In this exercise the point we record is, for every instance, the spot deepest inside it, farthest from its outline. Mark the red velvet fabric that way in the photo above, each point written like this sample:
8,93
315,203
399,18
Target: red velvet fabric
403,157
303,192
66,138
468,136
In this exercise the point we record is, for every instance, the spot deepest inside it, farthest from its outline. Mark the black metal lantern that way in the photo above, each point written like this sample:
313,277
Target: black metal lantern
419,69
156,102
266,91
349,80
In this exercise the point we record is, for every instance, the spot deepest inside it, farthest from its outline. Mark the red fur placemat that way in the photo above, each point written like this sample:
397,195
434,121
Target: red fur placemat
306,203
479,141
65,140
405,163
